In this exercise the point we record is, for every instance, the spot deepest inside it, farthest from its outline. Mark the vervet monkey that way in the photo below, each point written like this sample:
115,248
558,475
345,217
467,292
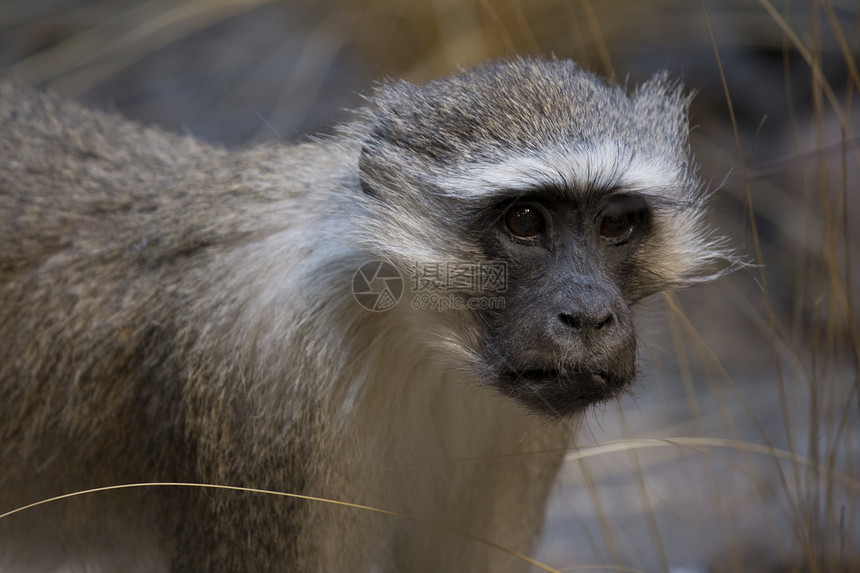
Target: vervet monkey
172,311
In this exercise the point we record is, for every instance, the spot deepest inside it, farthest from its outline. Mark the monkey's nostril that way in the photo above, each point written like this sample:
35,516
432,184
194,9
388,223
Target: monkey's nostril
606,321
578,321
573,321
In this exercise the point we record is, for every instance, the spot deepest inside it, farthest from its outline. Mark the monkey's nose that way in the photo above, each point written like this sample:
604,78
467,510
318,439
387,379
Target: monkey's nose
580,321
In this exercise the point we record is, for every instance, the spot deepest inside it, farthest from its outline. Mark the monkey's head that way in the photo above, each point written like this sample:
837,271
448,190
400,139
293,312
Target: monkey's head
586,194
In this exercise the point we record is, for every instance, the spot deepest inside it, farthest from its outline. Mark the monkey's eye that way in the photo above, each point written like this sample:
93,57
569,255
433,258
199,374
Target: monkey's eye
620,217
524,221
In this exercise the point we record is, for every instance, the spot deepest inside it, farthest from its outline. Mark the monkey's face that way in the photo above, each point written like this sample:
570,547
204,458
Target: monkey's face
564,338
586,193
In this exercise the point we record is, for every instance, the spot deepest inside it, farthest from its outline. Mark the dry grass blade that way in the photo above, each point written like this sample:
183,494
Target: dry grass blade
643,443
474,538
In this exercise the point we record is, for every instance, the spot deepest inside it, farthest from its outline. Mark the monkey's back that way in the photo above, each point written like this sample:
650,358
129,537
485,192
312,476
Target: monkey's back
72,178
118,250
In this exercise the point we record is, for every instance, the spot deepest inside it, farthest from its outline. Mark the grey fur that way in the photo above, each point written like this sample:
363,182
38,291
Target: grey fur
171,311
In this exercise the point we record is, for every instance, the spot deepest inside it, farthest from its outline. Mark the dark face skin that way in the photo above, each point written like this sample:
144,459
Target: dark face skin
565,339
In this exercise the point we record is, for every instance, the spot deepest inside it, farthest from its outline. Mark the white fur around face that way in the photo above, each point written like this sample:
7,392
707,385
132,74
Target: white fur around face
604,165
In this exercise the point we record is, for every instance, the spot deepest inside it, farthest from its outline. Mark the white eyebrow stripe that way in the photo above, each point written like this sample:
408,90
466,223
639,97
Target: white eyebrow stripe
599,166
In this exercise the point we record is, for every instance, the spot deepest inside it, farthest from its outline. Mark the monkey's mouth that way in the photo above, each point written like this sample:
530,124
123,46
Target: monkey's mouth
560,393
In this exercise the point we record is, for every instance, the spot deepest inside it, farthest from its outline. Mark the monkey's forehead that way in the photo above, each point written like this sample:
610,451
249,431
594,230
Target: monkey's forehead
528,105
572,172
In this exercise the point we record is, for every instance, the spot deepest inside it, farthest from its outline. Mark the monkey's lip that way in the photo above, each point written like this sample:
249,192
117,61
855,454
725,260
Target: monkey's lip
554,374
559,393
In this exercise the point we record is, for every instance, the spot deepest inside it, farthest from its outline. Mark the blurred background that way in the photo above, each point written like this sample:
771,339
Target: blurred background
740,448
